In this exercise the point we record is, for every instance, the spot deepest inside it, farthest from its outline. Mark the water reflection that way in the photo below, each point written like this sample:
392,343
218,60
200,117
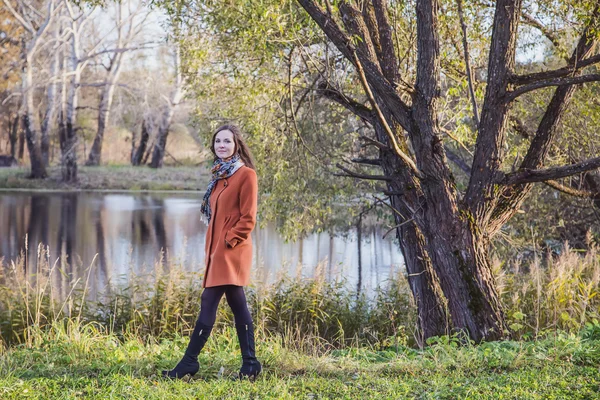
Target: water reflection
132,234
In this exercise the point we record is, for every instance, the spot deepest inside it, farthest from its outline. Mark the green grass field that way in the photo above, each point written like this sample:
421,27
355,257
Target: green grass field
83,362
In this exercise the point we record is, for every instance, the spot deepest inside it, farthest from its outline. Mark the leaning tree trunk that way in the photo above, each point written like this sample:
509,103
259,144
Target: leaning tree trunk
138,153
95,156
32,135
165,122
160,146
432,314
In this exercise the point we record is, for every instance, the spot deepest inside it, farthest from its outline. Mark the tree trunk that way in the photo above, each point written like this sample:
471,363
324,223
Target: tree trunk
148,153
69,158
431,304
138,153
158,154
14,137
21,144
165,122
50,106
95,156
69,154
38,168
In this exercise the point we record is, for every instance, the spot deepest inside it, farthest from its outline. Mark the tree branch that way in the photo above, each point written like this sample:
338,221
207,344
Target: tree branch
556,73
374,142
575,80
352,174
586,194
383,87
529,20
541,175
116,51
512,196
389,63
463,26
460,163
326,90
489,150
403,156
19,18
367,161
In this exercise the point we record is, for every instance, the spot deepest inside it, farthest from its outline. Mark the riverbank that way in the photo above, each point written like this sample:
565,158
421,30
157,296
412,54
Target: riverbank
120,178
81,361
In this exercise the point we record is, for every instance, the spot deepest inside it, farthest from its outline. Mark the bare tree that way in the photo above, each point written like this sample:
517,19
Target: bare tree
127,30
35,24
51,96
167,114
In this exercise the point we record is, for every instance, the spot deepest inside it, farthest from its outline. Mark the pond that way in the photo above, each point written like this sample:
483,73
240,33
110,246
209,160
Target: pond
126,234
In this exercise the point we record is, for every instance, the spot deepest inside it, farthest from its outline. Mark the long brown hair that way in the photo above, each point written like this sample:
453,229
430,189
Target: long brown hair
241,147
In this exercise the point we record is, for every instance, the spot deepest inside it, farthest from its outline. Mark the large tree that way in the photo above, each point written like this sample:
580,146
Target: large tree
399,53
452,231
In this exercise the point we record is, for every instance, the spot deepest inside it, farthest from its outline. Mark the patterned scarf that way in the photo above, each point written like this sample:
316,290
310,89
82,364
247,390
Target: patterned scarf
221,169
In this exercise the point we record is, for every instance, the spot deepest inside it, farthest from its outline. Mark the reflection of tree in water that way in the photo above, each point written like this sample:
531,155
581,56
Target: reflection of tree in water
148,226
159,228
37,230
66,230
12,232
101,243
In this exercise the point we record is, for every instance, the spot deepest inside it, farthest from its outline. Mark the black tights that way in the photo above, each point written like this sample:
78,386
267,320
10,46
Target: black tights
236,298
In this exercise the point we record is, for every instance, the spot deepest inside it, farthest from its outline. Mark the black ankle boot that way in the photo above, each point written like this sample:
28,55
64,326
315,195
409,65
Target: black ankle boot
189,363
250,365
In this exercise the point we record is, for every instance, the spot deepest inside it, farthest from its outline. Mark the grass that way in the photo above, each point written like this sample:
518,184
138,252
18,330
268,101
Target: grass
315,338
83,361
123,177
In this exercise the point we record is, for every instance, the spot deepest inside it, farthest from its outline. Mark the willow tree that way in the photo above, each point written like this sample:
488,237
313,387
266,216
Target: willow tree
446,234
399,57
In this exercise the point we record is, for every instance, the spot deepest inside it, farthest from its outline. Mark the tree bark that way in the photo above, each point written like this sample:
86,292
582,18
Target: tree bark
32,135
14,135
95,155
50,104
70,142
138,154
21,147
38,169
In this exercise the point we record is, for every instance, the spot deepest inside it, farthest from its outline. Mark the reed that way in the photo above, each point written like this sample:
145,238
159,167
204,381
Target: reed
312,315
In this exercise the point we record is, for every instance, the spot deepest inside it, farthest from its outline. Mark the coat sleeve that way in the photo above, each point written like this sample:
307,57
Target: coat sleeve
248,207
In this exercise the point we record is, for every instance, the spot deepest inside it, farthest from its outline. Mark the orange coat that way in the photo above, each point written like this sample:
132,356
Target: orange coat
228,247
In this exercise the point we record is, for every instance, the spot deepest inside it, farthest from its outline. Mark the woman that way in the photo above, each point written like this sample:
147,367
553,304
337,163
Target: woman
230,207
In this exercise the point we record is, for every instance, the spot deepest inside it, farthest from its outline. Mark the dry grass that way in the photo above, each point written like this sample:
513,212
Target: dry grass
111,178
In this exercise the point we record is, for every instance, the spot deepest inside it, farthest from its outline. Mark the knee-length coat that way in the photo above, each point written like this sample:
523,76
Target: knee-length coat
228,246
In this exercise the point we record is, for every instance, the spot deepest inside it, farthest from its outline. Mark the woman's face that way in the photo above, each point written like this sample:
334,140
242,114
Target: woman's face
224,144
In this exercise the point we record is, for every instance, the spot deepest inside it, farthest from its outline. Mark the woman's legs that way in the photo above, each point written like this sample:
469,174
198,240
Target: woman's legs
245,330
236,298
206,319
209,302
